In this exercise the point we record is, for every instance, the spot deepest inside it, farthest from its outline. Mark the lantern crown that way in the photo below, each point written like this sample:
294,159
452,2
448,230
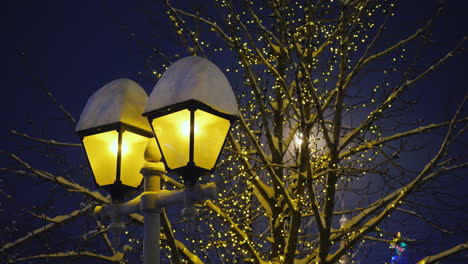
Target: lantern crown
120,101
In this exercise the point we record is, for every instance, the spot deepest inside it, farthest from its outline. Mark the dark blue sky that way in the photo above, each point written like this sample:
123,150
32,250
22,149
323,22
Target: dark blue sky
75,47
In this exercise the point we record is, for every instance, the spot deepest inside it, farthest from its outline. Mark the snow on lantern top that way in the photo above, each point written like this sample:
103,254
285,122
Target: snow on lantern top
121,100
193,78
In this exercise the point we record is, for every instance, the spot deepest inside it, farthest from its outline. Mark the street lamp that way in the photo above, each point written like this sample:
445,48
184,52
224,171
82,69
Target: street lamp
191,110
114,135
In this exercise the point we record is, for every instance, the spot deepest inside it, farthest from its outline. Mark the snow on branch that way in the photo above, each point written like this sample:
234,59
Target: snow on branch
444,254
242,236
438,63
170,239
102,233
409,133
264,192
45,141
393,200
267,161
376,113
259,23
192,257
427,220
57,222
184,26
259,55
116,258
71,186
364,60
213,25
95,195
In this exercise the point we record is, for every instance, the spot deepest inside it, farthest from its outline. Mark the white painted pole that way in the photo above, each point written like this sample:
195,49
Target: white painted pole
152,216
151,249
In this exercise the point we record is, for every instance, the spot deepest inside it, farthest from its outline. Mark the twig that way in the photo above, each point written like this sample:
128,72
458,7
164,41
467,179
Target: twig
45,141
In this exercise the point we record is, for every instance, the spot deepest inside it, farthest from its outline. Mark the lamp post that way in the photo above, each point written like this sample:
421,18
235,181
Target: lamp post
190,112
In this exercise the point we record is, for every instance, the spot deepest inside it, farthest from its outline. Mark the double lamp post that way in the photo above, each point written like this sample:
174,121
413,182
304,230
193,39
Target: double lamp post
189,113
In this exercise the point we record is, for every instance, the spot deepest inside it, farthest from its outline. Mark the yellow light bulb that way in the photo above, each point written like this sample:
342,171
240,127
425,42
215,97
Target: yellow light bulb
185,128
298,139
114,148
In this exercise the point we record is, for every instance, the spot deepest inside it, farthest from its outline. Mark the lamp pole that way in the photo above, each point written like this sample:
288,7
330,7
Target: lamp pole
150,203
151,214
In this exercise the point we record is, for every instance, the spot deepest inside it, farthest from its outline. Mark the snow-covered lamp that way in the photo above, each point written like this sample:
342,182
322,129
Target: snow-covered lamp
191,110
114,134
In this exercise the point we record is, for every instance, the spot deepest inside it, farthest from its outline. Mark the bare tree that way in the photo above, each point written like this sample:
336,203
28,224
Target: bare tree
328,130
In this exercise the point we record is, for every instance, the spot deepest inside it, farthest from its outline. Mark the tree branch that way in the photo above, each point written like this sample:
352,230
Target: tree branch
116,258
57,222
444,254
45,141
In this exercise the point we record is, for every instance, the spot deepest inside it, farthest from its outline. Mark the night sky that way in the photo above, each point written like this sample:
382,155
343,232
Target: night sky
74,47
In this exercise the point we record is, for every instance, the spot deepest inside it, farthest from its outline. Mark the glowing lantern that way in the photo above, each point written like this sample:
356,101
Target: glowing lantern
191,110
114,135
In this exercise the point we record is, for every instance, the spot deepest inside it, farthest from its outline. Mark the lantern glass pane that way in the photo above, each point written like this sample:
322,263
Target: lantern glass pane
210,132
101,150
133,149
173,134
